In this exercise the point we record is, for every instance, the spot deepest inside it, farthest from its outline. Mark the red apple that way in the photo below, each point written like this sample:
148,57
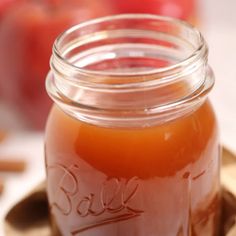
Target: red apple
183,9
27,34
5,5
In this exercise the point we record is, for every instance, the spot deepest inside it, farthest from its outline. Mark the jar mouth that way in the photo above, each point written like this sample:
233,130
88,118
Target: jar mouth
136,69
67,42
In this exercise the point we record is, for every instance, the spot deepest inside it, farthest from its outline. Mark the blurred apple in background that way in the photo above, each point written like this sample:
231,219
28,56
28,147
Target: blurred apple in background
5,5
182,9
27,33
28,29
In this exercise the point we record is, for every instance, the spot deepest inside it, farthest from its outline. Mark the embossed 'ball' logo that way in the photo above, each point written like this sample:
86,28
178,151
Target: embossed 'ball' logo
115,198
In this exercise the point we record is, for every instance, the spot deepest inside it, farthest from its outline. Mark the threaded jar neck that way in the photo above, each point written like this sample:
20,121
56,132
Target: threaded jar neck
135,67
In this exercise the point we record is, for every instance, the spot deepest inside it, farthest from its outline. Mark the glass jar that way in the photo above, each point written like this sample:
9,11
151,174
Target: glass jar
132,143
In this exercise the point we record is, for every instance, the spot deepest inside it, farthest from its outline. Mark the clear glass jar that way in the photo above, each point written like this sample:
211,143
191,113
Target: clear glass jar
132,143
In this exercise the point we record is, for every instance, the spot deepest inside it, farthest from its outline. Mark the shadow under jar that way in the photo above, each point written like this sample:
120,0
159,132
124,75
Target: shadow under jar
132,143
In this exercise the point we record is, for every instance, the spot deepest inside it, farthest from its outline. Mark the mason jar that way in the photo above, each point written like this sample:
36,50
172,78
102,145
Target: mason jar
132,144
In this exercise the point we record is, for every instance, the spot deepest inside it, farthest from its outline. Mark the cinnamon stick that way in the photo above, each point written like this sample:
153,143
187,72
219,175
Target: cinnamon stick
3,135
12,165
1,186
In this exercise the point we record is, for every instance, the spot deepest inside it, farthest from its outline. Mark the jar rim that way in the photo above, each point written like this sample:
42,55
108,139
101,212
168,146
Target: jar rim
201,51
91,96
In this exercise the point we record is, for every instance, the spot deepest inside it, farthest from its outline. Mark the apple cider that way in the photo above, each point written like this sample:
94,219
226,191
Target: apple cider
131,142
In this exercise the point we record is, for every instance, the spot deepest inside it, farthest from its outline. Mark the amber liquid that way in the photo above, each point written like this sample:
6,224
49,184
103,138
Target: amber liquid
161,180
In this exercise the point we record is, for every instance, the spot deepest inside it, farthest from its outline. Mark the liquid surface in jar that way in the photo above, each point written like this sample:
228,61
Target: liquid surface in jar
160,180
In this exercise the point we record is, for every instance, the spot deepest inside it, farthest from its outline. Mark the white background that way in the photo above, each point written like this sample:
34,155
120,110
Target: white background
219,29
